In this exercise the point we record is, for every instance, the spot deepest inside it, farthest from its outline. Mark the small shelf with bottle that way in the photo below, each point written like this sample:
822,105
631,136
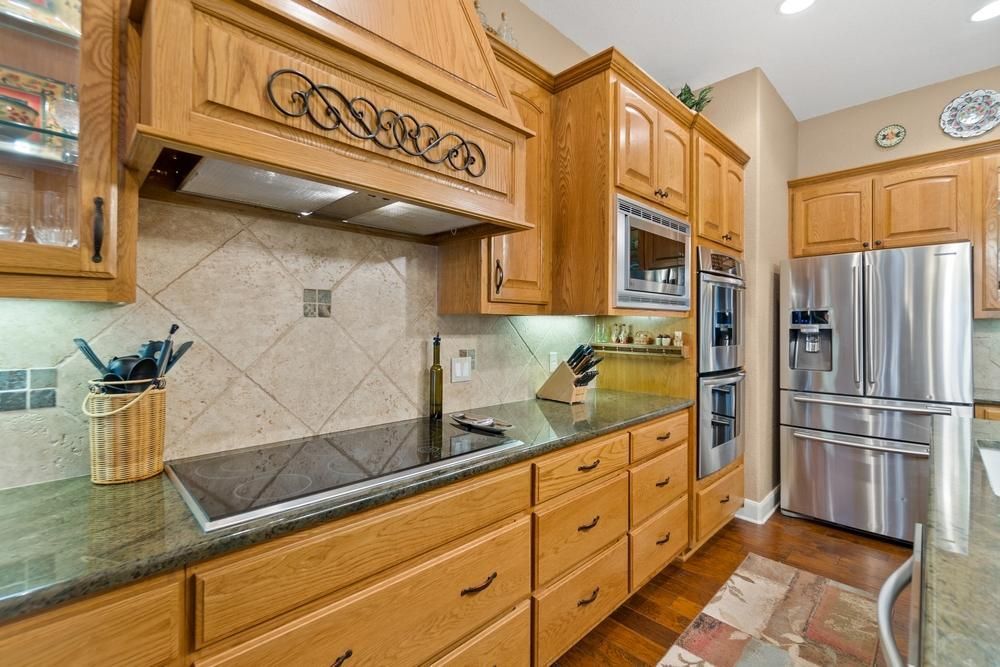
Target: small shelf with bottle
650,349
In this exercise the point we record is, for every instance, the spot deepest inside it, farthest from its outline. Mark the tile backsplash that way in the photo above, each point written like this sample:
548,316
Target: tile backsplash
265,366
986,354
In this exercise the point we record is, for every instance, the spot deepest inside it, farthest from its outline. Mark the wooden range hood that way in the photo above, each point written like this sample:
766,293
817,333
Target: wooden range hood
394,101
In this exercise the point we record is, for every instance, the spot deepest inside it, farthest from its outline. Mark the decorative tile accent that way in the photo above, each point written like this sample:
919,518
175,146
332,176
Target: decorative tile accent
44,378
42,398
310,309
17,379
316,302
13,400
14,394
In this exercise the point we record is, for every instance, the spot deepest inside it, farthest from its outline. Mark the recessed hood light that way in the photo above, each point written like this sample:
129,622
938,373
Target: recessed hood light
990,10
795,6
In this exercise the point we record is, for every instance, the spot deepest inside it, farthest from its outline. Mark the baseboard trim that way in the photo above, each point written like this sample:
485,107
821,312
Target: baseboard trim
759,512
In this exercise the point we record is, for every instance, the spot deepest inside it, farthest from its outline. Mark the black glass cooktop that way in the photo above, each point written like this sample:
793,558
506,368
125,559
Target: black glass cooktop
231,487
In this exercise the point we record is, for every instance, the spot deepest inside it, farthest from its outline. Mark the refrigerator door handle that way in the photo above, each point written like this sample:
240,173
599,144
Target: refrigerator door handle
874,448
925,410
858,329
870,323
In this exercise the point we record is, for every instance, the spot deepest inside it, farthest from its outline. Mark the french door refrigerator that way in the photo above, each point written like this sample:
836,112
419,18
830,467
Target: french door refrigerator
873,346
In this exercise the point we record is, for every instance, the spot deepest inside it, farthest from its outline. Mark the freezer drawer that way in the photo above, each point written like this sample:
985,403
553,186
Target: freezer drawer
866,417
864,483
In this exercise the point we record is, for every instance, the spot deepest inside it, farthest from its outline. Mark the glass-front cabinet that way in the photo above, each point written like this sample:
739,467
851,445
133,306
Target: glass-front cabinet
59,168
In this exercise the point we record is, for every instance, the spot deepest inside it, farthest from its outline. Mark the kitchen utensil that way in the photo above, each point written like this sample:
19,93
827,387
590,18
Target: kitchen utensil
150,348
585,379
588,366
168,344
587,358
577,355
132,367
176,356
478,423
91,356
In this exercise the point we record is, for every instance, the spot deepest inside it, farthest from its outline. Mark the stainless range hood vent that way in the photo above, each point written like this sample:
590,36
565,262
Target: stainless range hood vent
230,181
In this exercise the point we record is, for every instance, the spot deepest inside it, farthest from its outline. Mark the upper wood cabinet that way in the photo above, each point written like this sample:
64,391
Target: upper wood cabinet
831,217
720,197
67,209
923,205
652,158
986,287
510,274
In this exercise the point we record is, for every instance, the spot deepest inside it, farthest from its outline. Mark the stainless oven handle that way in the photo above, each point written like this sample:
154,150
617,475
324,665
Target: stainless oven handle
856,445
726,281
723,422
925,410
887,597
723,380
858,331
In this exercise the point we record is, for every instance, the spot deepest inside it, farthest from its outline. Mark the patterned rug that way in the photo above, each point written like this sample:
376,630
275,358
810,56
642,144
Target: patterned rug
770,614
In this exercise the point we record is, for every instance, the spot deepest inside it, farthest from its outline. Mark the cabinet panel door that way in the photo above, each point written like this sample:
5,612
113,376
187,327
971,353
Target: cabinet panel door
986,281
832,217
520,263
923,205
711,176
672,166
732,205
57,144
637,141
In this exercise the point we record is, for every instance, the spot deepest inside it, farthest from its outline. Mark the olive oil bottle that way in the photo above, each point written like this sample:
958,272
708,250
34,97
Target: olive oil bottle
437,381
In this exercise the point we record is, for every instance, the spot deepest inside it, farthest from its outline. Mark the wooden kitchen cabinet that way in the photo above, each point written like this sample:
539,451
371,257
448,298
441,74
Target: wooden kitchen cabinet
832,217
510,274
924,205
67,208
990,412
720,194
986,284
652,159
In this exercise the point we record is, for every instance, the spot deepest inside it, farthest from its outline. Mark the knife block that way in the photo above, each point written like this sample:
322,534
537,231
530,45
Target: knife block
559,387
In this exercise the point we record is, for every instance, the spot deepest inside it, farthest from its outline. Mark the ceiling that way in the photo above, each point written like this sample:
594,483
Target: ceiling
835,54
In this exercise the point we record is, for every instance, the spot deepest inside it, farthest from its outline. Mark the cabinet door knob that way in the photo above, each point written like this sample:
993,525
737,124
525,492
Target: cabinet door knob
865,244
587,600
589,467
878,243
342,659
98,229
663,483
472,590
499,276
665,539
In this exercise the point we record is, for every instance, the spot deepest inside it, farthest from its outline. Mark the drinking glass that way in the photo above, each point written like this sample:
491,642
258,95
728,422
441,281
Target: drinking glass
54,222
14,214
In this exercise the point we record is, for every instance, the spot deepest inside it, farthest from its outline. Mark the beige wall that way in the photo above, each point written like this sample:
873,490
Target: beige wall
846,138
748,109
536,37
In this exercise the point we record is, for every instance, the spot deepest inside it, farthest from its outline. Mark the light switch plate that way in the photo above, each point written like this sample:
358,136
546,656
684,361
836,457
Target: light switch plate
461,369
553,361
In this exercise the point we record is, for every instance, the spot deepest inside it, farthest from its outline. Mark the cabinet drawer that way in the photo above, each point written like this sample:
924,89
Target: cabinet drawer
579,465
719,502
572,607
505,643
572,528
658,541
409,617
660,435
241,590
657,483
136,625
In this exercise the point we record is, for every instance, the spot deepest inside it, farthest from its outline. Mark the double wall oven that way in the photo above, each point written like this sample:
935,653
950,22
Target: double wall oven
721,294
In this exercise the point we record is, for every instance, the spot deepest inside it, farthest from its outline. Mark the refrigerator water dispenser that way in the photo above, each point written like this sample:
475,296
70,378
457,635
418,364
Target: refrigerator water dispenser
810,341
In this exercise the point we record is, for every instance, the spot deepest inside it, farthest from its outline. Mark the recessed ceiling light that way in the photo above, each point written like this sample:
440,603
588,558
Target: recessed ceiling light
795,6
990,10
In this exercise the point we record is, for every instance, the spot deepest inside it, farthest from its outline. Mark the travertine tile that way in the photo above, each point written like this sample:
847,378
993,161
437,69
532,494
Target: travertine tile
312,369
42,446
239,299
173,238
375,401
417,265
371,305
243,416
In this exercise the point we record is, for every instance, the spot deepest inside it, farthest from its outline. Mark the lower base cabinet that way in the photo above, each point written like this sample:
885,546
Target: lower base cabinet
657,542
718,502
505,643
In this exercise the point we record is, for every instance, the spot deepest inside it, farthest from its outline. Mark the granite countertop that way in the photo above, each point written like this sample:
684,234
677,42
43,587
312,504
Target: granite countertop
67,539
986,396
961,566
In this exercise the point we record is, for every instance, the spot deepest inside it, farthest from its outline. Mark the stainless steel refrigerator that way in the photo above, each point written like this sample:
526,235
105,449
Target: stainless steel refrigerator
873,345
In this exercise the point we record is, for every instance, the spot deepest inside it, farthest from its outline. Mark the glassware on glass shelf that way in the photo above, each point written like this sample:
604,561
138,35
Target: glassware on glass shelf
600,332
505,31
54,222
14,214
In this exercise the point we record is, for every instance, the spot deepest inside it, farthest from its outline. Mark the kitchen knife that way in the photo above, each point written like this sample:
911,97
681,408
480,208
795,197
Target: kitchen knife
593,362
577,355
584,360
585,379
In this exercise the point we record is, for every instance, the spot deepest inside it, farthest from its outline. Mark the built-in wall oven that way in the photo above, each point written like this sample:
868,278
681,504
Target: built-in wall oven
721,290
652,259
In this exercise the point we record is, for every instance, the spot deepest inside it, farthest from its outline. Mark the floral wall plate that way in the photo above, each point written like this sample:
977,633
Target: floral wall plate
890,135
971,114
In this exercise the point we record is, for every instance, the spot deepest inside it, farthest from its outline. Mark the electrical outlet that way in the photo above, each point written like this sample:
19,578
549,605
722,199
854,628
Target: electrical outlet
461,369
553,361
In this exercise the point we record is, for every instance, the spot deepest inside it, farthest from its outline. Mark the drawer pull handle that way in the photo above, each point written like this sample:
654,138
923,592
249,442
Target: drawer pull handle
98,229
663,482
481,587
590,467
665,436
342,659
585,601
725,500
585,528
664,540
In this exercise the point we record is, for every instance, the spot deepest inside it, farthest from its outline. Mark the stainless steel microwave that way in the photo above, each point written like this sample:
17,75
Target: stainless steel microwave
652,259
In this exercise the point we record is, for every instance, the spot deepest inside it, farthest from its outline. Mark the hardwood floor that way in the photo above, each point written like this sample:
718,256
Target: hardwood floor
642,629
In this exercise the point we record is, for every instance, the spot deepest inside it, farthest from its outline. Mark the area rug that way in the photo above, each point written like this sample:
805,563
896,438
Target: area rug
769,614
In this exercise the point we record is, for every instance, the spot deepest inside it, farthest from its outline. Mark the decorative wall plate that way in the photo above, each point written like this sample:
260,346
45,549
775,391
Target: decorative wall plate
62,16
971,114
890,135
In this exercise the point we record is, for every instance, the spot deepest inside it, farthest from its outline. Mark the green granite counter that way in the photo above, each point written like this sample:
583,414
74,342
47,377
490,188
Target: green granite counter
67,539
961,557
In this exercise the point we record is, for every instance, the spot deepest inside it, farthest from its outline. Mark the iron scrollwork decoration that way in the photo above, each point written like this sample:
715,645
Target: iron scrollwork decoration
329,109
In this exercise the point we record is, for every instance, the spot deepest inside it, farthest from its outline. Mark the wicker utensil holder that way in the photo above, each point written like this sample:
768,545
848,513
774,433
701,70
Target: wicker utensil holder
126,432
